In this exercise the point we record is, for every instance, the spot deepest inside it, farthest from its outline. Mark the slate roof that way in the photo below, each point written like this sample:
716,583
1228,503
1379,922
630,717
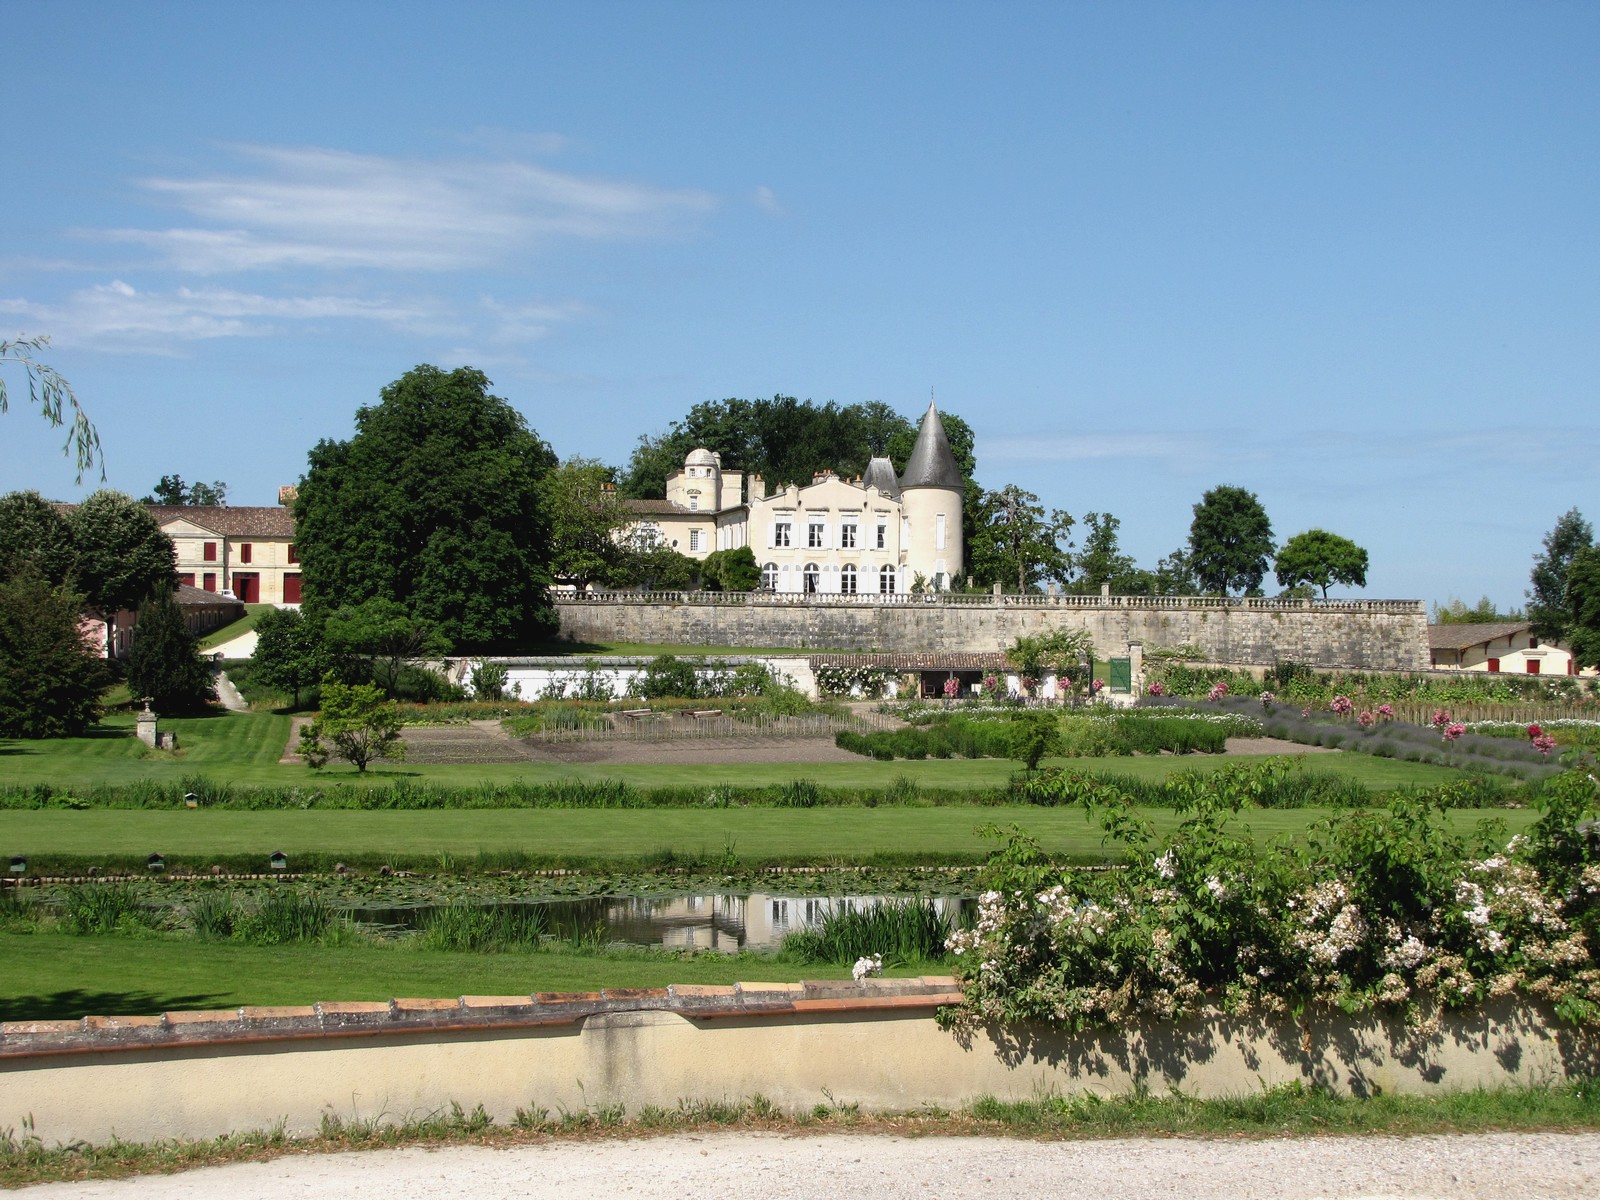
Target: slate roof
931,464
647,508
880,474
195,597
1459,637
230,520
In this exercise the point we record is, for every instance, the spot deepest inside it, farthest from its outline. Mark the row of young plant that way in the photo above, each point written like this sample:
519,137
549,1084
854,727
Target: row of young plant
1296,683
1272,783
1378,909
1013,733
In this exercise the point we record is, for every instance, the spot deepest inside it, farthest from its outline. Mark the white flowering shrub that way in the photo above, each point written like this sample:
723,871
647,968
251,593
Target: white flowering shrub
1378,908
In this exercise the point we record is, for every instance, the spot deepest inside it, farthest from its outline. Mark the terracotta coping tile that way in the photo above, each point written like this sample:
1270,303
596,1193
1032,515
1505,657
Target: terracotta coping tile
496,1001
787,989
17,1028
943,981
213,1016
276,1012
122,1022
340,1008
697,990
634,994
424,1005
566,997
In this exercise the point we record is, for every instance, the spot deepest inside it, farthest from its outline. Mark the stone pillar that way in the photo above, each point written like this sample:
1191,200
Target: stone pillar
145,726
1136,668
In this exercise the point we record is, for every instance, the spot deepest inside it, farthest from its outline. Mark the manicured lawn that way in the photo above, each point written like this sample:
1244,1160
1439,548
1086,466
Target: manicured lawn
55,976
619,836
244,748
252,614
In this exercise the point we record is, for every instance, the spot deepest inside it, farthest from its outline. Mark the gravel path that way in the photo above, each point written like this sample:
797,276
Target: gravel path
853,1167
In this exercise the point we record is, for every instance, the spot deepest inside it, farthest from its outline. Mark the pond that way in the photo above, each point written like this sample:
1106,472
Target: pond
708,921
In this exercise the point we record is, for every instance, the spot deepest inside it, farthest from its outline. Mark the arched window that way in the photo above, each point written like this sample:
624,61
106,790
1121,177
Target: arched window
886,580
769,577
847,579
812,579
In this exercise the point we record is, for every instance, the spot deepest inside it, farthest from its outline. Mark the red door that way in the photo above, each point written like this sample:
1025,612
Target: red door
247,587
291,589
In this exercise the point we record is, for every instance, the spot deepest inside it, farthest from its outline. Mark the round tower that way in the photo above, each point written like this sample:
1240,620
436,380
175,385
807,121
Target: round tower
931,494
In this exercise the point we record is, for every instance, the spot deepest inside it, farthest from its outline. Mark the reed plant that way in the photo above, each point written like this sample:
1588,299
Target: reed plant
907,930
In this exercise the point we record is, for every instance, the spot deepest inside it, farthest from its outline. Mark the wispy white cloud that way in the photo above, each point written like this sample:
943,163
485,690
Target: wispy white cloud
526,322
767,201
311,207
119,316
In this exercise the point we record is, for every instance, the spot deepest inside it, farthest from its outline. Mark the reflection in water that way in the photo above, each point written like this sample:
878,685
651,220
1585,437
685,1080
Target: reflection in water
753,921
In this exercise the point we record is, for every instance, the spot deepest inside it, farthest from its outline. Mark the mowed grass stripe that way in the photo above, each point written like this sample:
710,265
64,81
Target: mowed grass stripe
753,835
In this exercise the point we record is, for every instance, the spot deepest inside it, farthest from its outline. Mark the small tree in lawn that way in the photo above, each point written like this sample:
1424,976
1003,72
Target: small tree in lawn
357,723
289,656
164,662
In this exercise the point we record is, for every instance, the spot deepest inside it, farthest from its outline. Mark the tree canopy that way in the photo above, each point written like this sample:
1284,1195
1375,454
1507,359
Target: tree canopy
121,556
1583,606
164,661
587,521
432,505
51,677
172,490
1319,558
1230,541
34,535
1016,542
1548,609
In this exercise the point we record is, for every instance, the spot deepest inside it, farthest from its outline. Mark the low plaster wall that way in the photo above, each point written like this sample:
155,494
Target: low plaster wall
1388,635
198,1075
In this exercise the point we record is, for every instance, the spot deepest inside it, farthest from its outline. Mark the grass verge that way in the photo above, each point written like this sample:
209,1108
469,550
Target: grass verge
1293,1111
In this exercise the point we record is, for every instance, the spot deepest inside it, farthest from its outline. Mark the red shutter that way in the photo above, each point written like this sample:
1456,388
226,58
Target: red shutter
291,589
210,552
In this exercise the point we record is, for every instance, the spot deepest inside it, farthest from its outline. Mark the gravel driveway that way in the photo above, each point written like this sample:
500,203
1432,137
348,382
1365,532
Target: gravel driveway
848,1167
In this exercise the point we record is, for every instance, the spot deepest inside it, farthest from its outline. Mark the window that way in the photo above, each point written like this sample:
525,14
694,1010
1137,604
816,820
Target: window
694,539
814,535
847,537
244,551
294,555
209,552
811,582
209,581
886,581
1533,643
769,577
1533,666
847,579
782,533
187,580
694,501
938,532
1494,666
883,535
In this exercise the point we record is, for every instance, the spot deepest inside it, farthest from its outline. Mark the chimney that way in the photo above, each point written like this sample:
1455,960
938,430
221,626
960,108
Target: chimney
758,488
288,495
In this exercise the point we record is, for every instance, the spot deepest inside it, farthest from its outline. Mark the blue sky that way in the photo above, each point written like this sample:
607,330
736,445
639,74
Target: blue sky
1344,255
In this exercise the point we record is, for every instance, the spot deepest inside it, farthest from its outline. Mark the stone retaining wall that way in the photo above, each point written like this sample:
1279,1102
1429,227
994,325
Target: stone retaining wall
202,1074
1388,635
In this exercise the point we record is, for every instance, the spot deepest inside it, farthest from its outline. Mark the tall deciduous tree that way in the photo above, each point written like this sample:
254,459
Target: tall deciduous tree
164,661
172,490
1230,541
587,520
387,636
1101,560
1548,609
1320,558
122,557
1017,542
50,675
433,505
1583,606
34,535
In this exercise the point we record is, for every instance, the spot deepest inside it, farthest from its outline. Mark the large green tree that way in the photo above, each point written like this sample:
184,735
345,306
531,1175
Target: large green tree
289,655
1320,558
1230,541
1017,543
433,505
386,637
121,556
1583,606
34,535
1101,560
164,661
51,677
587,521
1548,609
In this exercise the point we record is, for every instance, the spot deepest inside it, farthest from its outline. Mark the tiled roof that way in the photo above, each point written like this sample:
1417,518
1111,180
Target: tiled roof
931,463
658,508
230,520
962,661
197,596
1459,637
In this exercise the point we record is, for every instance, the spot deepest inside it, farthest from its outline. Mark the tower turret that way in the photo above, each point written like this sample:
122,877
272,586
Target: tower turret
932,491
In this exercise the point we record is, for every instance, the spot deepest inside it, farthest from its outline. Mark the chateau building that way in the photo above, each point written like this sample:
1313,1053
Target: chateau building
878,533
246,552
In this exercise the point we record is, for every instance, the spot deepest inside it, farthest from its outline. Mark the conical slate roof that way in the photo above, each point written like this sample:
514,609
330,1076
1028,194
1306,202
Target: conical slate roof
931,464
880,474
